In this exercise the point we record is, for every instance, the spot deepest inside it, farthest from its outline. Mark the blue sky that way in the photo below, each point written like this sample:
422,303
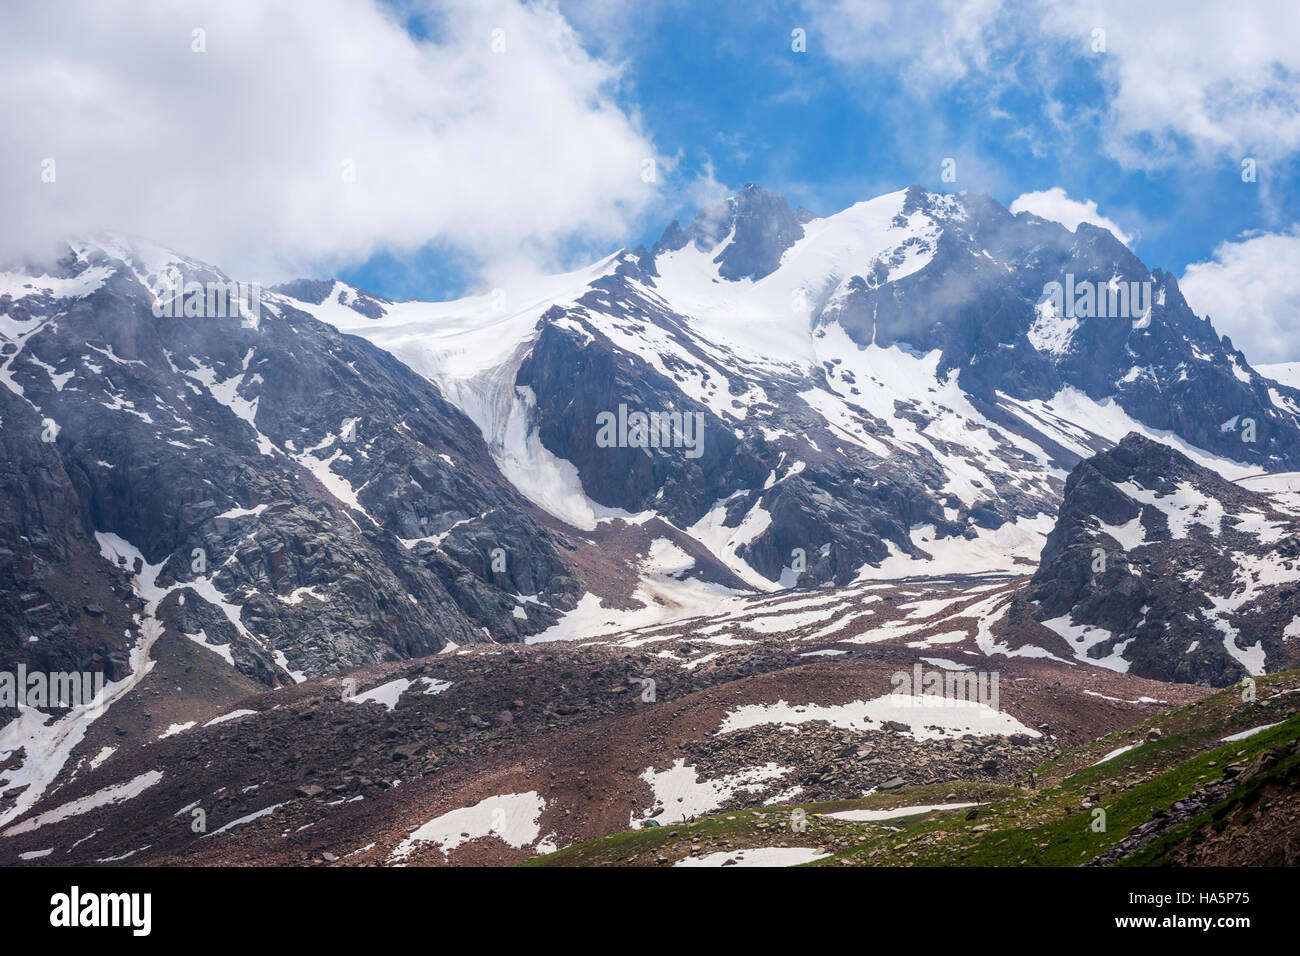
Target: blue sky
720,88
479,139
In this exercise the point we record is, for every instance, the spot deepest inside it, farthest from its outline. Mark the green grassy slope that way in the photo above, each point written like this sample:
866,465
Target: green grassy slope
1055,824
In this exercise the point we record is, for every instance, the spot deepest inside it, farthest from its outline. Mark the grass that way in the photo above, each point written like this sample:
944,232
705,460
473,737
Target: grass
1049,826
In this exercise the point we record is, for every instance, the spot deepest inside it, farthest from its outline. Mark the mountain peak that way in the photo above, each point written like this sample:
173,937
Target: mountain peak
1138,525
760,225
317,291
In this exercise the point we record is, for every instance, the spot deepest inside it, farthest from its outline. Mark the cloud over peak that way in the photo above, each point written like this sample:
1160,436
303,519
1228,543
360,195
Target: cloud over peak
1055,205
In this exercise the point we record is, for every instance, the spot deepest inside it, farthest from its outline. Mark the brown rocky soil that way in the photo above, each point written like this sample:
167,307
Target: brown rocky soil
564,720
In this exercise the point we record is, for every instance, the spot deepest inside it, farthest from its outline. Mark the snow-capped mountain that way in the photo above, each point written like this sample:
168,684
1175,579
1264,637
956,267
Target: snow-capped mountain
293,499
896,389
1161,567
209,489
316,477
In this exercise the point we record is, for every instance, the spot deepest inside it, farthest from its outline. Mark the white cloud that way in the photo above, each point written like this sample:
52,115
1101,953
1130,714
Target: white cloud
1055,205
1251,289
236,155
1220,78
1223,76
937,41
616,25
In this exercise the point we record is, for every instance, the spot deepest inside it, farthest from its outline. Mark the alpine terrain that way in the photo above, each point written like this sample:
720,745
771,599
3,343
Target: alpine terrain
912,533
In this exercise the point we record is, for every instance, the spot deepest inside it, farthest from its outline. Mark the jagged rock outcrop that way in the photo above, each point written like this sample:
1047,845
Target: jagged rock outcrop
876,388
1160,566
318,504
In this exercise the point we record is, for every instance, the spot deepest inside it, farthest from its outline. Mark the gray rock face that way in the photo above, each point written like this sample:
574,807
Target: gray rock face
980,301
336,505
977,301
1189,577
839,510
316,291
54,586
761,227
764,228
320,505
